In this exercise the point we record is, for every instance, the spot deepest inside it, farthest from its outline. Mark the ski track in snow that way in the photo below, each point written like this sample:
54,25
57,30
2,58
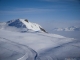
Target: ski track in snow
26,50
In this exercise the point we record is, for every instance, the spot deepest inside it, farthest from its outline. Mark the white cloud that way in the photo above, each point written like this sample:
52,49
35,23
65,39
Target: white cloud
26,10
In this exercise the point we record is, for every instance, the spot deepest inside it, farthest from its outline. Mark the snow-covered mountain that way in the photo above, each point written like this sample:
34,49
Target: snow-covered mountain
22,25
35,46
72,28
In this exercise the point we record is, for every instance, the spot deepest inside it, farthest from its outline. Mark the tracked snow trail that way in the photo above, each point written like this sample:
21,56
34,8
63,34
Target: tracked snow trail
25,57
22,52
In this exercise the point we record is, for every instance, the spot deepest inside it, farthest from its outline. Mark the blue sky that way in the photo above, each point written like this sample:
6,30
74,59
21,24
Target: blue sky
41,11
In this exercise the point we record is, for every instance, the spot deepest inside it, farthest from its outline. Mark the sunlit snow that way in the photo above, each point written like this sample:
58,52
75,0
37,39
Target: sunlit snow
16,45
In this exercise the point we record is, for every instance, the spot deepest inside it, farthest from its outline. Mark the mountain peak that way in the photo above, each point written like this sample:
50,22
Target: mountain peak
22,19
24,23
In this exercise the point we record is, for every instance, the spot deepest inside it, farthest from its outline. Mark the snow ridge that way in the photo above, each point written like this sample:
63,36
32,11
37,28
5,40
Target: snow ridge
24,23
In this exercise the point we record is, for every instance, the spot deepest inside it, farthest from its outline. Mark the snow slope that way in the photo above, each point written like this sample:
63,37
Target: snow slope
10,50
35,46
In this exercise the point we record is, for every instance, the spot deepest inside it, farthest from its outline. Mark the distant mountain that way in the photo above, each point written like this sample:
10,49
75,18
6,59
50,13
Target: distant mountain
72,28
22,25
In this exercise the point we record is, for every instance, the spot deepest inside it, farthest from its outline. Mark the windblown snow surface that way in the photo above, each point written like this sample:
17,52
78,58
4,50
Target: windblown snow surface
37,46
